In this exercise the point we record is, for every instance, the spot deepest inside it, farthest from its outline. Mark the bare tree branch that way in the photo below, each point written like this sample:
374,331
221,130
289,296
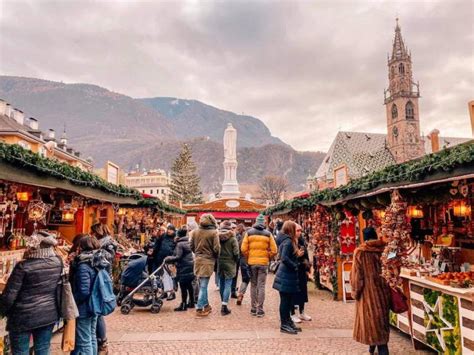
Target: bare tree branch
272,187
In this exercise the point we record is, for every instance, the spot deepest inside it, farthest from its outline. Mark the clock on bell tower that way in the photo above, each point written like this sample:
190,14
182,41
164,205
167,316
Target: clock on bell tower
401,103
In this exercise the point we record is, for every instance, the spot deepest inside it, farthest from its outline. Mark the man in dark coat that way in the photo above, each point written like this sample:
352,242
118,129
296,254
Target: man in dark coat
183,257
29,299
164,247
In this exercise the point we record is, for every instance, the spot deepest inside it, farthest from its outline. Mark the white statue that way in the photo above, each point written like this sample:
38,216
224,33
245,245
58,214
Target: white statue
230,143
230,186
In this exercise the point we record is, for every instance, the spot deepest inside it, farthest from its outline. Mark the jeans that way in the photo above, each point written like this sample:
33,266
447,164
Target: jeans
258,277
20,341
225,286
235,279
101,331
286,304
187,289
243,287
202,299
383,349
86,340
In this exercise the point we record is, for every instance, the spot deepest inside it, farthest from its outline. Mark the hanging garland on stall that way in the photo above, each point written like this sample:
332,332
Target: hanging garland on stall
18,156
413,170
396,229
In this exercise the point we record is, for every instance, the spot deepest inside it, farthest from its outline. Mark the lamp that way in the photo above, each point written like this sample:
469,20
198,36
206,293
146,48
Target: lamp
415,212
68,215
22,196
461,209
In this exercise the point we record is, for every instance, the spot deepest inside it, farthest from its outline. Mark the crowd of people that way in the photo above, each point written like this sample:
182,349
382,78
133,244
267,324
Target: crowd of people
198,251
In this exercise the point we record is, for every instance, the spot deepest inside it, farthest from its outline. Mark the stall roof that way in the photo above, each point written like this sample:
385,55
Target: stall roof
22,176
452,163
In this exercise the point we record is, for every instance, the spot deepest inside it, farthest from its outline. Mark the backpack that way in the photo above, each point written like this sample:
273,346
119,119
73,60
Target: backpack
102,300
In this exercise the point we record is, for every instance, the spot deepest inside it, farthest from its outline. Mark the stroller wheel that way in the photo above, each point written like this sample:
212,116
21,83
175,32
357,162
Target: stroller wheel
156,308
125,309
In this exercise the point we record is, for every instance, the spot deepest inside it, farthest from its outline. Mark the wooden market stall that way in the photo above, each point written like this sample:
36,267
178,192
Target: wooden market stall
38,193
424,209
235,210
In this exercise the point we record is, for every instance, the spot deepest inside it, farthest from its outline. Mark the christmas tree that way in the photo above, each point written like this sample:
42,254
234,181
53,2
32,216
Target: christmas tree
184,178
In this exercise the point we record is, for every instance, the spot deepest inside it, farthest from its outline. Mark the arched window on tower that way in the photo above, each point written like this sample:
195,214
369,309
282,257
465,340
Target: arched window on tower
401,68
392,71
394,111
410,111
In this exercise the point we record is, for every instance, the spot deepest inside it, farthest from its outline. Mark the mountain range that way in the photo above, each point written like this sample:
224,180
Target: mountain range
149,131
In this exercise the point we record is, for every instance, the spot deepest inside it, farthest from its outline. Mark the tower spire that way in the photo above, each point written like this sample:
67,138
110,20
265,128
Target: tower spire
399,50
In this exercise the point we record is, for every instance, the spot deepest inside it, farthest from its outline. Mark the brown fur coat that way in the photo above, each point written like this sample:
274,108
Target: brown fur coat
372,295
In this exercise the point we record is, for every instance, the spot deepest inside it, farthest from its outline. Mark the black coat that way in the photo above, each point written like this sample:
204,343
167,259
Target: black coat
30,298
303,267
164,247
183,257
286,278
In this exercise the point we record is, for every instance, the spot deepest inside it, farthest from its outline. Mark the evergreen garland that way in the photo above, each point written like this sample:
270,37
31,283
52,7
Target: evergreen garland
184,179
413,170
17,156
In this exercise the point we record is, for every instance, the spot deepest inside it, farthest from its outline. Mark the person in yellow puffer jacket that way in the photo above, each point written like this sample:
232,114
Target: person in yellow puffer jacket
259,248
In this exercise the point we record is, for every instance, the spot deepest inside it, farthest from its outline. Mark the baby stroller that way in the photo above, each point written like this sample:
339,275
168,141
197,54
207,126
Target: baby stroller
138,288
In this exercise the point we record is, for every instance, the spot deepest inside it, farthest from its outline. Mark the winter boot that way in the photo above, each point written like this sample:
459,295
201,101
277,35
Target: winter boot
293,325
225,310
190,305
240,298
285,327
182,307
171,296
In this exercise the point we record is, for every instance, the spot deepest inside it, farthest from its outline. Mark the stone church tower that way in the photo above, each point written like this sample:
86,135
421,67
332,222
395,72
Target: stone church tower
401,103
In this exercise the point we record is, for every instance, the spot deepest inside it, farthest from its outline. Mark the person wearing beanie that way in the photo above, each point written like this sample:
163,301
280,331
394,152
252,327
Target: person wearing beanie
183,258
227,264
259,248
206,247
29,299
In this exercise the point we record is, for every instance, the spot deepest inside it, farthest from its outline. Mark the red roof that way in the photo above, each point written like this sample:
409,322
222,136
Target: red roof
232,215
147,195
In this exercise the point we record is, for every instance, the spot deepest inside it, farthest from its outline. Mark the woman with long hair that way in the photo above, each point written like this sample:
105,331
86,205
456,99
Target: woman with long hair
286,278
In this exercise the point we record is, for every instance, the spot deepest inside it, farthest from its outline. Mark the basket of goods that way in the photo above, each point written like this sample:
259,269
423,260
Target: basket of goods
455,279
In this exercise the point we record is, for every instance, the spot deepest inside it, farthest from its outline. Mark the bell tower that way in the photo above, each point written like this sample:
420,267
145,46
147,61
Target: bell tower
401,104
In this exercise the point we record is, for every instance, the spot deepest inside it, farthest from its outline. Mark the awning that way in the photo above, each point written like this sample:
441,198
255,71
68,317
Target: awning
232,215
23,176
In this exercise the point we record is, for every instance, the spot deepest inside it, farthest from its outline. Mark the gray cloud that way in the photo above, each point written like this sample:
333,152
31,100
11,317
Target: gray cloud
307,69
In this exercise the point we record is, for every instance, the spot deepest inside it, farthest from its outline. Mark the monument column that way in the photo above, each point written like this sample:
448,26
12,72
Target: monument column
230,186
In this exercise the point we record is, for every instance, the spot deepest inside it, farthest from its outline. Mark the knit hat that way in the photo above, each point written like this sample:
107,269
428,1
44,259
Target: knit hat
41,240
260,219
192,225
171,227
226,225
182,233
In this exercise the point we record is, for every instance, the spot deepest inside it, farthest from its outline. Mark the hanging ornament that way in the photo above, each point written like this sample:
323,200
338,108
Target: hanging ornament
396,229
37,211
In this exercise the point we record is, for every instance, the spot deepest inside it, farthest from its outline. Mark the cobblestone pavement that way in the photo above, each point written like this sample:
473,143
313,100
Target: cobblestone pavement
330,331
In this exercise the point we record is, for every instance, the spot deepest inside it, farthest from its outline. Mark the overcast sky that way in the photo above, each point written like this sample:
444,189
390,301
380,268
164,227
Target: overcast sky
307,69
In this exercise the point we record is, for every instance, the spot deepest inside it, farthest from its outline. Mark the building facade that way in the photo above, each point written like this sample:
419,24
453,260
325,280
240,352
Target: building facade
16,129
152,182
